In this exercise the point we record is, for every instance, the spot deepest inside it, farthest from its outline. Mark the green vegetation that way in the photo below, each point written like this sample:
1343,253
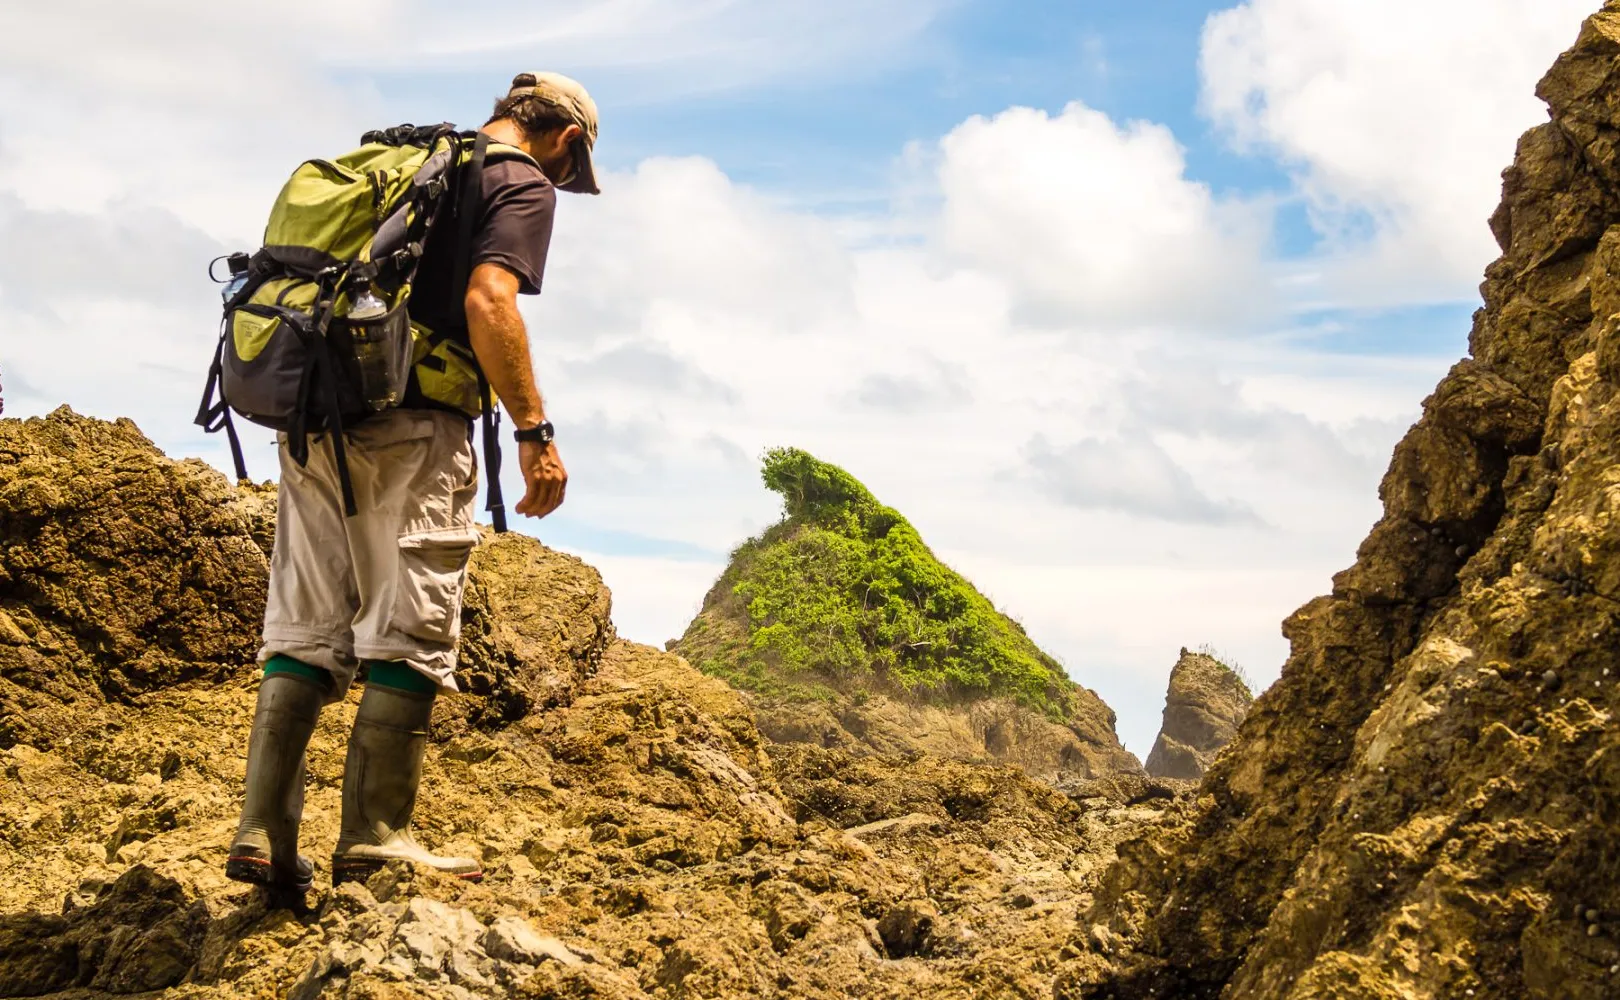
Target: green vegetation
844,591
1232,665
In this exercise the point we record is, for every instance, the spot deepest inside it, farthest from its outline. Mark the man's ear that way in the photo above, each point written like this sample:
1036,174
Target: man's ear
570,133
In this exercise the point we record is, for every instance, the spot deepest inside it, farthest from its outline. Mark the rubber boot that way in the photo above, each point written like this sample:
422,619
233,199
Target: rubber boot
265,849
380,777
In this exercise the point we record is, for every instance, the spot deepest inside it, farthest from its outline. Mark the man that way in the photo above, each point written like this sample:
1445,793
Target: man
384,586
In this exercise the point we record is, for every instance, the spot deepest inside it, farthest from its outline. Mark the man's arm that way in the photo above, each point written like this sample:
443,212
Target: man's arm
501,343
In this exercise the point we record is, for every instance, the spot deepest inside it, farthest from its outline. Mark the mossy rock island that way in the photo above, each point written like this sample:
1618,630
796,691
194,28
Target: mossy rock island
843,629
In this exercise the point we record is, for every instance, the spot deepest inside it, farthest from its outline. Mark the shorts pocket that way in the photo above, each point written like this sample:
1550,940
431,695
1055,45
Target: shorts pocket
432,576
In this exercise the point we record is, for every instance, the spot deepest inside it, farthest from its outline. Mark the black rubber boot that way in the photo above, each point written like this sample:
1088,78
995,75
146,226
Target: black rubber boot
380,777
265,849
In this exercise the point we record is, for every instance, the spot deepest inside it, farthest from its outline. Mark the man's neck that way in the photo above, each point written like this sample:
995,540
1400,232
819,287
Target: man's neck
507,132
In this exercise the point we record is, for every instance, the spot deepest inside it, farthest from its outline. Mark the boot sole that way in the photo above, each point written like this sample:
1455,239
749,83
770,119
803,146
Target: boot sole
359,871
257,871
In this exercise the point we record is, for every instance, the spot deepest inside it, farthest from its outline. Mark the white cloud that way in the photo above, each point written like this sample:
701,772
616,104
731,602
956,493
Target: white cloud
702,254
1395,116
1097,221
188,106
1130,474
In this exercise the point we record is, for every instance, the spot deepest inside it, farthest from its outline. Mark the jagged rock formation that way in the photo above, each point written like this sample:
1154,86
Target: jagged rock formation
1425,804
1206,702
845,631
642,840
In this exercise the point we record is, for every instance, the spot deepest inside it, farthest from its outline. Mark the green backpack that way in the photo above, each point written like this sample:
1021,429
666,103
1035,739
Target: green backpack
317,334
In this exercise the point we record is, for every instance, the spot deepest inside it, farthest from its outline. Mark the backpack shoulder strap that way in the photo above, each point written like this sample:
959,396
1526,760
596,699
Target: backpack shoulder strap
470,179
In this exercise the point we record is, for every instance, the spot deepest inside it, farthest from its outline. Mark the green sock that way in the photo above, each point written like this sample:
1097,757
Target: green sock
400,676
279,664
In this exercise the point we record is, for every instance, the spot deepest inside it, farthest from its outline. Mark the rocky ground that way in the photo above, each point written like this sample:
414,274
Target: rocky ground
1205,704
641,838
1426,804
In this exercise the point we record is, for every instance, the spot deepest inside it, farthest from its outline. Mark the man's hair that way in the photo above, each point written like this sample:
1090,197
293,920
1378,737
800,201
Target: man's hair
534,115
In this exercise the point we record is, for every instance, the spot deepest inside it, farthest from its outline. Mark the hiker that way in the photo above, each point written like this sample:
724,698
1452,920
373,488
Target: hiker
375,523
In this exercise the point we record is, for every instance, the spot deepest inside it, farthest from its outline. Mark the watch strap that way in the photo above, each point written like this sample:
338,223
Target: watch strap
541,433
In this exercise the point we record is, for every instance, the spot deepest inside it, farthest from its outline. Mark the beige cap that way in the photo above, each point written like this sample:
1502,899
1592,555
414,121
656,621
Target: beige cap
566,94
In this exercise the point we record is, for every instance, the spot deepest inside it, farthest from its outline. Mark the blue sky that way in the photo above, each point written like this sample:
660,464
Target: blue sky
1124,305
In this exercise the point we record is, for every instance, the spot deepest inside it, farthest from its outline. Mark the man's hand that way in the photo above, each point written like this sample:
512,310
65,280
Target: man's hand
543,476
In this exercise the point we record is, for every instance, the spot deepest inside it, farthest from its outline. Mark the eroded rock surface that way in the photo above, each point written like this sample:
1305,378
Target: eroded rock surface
1425,804
1206,702
641,838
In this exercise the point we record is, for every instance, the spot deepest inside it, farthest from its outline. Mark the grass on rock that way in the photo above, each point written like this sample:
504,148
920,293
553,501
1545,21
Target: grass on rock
843,591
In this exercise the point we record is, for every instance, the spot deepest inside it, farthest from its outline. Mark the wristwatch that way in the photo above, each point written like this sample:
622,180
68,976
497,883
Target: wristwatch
540,433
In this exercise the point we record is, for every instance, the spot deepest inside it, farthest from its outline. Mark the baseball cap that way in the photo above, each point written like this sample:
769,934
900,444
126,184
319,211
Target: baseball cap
566,94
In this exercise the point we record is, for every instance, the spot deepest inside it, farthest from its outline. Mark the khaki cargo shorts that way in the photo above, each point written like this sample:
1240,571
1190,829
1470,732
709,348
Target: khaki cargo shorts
385,584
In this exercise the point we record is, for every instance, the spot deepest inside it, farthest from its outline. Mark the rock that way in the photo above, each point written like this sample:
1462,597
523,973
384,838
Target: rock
908,929
1206,703
1307,865
874,691
1103,939
897,825
513,940
790,912
143,934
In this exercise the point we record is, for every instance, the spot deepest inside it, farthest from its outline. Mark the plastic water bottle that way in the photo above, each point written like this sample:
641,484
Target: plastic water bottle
371,353
366,306
232,287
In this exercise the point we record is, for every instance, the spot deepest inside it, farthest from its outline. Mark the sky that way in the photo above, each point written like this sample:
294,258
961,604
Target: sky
1123,305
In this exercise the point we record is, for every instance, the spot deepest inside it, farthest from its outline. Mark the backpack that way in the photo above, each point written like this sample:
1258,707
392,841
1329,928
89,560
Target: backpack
317,334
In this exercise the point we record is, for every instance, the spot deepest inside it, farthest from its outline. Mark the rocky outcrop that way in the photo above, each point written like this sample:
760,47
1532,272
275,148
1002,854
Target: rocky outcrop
641,838
1202,710
985,730
844,630
1424,804
123,571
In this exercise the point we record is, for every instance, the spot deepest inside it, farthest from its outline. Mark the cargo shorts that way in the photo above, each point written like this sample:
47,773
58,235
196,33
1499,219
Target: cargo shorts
387,583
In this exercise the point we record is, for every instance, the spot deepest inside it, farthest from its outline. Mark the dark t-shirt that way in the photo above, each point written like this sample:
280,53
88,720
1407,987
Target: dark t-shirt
515,209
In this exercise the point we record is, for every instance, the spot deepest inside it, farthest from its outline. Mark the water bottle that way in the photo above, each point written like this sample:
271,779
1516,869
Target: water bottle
237,266
232,287
372,350
366,305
